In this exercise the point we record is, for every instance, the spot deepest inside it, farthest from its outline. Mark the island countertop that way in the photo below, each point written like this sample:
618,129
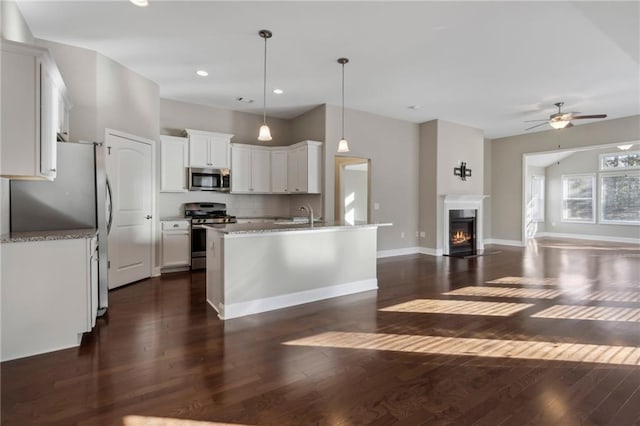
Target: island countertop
259,228
67,234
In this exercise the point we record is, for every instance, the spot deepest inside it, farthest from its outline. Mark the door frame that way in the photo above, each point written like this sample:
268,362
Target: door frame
155,222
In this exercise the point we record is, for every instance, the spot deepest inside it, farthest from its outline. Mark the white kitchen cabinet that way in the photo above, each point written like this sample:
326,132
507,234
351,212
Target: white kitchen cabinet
48,307
304,167
279,171
33,94
209,149
250,169
176,243
174,152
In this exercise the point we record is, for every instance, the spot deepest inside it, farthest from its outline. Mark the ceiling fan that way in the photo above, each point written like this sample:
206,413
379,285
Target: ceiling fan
562,120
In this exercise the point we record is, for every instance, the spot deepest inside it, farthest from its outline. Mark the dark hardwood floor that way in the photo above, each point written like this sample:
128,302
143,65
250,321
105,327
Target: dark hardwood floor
545,335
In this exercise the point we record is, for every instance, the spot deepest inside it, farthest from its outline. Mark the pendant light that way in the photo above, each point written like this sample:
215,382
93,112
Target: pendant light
265,132
343,145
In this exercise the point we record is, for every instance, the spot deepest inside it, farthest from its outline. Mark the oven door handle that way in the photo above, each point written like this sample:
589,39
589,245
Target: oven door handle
197,226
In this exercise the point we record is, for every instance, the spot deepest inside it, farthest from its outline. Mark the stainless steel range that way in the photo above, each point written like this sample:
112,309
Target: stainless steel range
201,214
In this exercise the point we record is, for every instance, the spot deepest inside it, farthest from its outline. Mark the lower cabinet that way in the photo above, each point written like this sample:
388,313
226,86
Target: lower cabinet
176,243
49,295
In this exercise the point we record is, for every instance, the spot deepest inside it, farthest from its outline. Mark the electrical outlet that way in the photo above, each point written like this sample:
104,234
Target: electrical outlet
422,234
402,235
417,234
376,206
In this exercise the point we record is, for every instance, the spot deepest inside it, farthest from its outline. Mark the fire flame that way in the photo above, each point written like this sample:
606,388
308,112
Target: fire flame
460,237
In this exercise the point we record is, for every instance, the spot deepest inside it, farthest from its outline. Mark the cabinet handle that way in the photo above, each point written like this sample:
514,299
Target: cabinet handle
175,225
148,216
52,170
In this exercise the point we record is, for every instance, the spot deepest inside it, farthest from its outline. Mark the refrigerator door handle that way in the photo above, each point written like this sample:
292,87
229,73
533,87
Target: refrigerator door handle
110,204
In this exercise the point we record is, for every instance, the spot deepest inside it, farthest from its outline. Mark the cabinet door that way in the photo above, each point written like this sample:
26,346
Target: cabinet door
48,123
279,172
219,152
241,169
260,170
173,163
292,171
176,243
93,282
199,151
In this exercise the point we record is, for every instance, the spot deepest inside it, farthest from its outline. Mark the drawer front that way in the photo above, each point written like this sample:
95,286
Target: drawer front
175,225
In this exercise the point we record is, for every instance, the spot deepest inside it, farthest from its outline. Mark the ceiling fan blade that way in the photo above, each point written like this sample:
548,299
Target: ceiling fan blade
537,125
582,117
531,121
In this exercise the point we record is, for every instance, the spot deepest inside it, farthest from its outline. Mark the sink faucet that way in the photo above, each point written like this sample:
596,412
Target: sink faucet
309,210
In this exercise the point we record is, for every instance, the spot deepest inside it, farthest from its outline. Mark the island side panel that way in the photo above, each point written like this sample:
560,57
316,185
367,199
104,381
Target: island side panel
269,270
215,270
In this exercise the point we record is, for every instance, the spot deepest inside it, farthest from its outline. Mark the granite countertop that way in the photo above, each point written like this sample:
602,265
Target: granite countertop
66,234
256,228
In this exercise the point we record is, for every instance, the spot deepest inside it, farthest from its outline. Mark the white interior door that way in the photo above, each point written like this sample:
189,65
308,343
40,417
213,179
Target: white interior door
129,170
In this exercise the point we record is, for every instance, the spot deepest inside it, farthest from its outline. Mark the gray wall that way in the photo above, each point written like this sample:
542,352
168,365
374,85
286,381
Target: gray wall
580,162
443,145
506,157
175,116
392,146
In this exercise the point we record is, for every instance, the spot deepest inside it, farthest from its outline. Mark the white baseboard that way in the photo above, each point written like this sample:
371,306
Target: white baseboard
430,251
397,252
155,272
589,237
241,309
514,243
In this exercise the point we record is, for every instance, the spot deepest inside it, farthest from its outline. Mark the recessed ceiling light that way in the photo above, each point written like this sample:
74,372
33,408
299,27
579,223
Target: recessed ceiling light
415,106
140,3
202,73
244,100
278,91
625,146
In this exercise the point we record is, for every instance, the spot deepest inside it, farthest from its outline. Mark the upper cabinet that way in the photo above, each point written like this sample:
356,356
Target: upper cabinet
277,170
303,168
34,112
209,149
250,169
174,155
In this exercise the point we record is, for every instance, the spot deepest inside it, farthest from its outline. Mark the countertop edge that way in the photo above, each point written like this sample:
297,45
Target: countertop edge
34,236
279,229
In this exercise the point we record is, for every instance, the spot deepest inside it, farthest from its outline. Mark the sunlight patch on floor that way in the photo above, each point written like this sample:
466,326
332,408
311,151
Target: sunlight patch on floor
529,293
458,307
524,281
491,348
592,313
165,421
614,296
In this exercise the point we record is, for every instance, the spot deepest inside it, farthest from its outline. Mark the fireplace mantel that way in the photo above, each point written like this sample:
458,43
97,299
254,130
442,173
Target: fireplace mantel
462,201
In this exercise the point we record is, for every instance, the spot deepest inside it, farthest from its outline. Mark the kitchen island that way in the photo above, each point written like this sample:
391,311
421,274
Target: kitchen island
259,267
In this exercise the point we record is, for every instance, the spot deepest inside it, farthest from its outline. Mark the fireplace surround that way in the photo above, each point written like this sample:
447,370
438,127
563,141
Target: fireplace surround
466,203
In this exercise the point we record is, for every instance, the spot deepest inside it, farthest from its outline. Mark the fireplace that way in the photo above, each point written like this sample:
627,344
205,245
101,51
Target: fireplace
462,232
466,206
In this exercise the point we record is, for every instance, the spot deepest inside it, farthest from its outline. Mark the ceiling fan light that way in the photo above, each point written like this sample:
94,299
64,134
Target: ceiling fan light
559,124
265,133
343,145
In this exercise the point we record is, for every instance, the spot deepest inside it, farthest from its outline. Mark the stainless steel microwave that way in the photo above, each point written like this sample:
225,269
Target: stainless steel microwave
209,179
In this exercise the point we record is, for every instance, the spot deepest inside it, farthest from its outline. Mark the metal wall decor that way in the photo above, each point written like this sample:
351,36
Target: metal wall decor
462,171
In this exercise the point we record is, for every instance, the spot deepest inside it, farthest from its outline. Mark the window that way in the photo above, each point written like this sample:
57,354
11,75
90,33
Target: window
578,198
620,198
537,198
620,160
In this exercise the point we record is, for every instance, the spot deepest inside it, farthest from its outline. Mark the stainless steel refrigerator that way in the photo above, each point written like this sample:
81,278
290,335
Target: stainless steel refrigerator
79,197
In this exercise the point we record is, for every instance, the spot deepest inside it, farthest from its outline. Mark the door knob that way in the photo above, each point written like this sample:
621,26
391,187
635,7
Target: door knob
148,216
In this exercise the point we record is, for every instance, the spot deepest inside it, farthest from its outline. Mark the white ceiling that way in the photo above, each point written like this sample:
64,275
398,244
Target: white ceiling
489,65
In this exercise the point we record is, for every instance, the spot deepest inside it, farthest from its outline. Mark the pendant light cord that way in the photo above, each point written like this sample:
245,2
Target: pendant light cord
343,101
264,85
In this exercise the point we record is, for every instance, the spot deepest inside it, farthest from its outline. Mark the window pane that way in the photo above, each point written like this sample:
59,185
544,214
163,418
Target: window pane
578,210
617,161
621,198
579,187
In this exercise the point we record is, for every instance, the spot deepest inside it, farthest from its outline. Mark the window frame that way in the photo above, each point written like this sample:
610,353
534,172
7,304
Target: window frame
594,205
633,171
614,169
